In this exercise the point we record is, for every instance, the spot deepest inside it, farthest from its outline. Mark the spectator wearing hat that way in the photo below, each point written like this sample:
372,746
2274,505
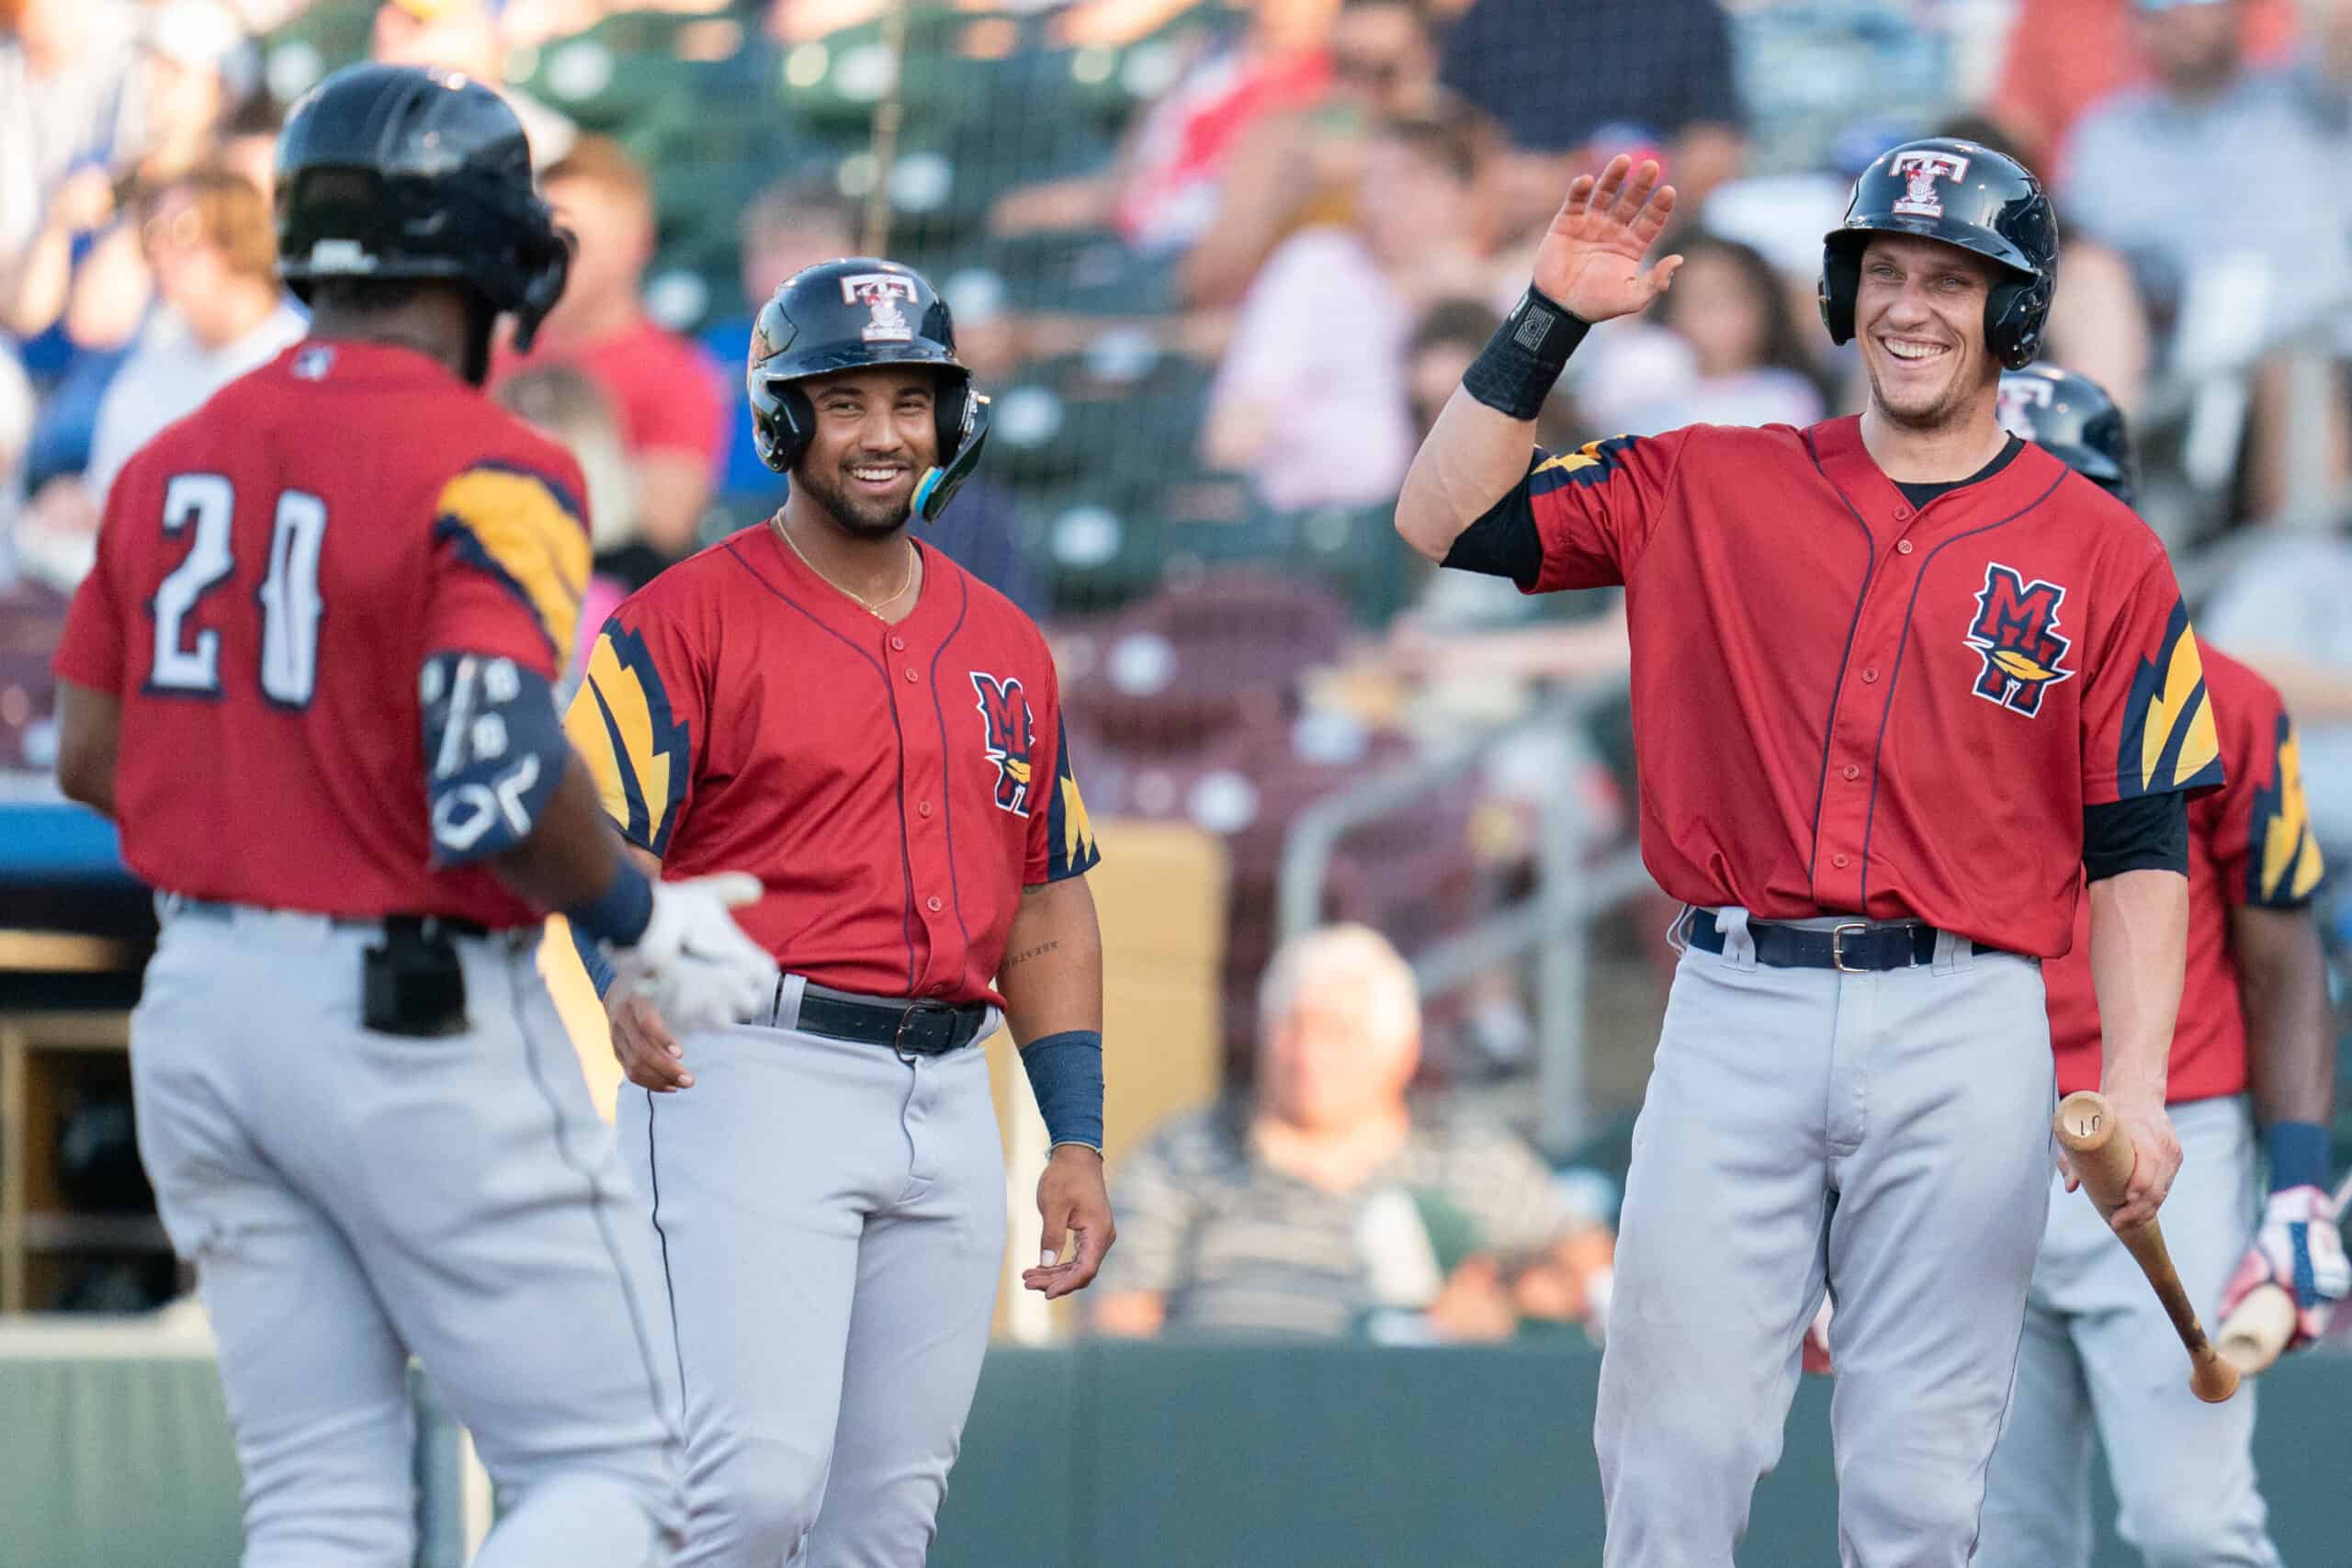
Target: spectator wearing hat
1326,1205
666,390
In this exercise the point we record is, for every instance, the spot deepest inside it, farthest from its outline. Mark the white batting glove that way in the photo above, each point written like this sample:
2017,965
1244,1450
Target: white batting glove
2300,1250
693,963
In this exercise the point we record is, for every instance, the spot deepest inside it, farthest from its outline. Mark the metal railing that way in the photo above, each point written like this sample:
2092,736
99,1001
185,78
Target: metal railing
1572,889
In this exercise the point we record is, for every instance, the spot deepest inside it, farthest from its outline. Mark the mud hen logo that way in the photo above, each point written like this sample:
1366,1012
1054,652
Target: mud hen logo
2016,629
1010,730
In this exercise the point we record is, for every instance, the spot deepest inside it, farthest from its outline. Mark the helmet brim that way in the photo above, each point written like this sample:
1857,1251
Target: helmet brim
1855,234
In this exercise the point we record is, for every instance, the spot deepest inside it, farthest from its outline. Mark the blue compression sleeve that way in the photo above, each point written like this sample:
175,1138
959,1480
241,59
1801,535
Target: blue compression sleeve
495,752
2298,1155
1066,1073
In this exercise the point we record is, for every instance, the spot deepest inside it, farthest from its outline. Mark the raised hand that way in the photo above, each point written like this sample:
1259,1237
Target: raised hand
1591,259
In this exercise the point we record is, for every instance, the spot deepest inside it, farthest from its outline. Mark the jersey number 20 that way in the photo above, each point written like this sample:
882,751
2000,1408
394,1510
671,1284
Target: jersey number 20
289,594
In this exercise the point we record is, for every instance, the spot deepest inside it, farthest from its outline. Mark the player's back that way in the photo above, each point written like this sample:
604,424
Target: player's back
277,567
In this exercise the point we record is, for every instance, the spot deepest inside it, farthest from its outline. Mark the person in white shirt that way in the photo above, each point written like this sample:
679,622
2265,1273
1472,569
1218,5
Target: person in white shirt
208,234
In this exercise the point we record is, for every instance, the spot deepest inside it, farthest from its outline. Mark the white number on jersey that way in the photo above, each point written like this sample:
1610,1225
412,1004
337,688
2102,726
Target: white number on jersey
290,605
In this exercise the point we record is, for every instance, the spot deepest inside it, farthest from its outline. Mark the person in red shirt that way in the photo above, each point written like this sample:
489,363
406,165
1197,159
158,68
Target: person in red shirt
311,677
2254,1017
1901,681
878,734
2065,55
667,390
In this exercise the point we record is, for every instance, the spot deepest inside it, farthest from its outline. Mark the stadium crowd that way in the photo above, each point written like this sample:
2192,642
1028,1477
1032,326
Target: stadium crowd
1219,264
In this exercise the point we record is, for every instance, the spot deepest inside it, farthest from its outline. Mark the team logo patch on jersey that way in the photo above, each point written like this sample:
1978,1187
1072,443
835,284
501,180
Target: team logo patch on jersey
2015,628
880,292
1920,171
1010,730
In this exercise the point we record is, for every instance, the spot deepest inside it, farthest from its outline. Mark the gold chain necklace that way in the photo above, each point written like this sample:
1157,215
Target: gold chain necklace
872,607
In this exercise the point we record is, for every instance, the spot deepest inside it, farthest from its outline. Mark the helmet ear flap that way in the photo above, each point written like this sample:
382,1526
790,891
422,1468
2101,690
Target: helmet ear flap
546,266
1841,279
783,420
2015,312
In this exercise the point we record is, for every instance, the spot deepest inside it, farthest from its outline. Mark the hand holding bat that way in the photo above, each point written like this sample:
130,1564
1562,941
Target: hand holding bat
2100,1154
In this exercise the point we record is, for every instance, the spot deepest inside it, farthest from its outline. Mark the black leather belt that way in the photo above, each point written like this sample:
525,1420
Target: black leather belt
391,925
918,1028
1857,947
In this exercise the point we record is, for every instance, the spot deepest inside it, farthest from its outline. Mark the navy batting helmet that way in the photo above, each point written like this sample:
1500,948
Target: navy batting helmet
2074,417
848,315
403,172
1966,195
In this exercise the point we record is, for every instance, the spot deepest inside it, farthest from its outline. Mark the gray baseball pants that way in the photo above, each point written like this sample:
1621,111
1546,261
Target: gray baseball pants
349,1197
830,1217
1883,1137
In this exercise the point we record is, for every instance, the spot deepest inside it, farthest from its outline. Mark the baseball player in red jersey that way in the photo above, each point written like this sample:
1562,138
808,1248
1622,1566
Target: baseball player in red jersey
1900,682
309,675
878,734
2254,1017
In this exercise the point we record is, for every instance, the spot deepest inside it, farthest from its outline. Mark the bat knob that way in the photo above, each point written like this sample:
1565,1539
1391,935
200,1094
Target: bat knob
2213,1378
2085,1120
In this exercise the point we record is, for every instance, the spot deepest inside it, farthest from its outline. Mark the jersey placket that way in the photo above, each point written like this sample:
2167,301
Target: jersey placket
924,816
1858,724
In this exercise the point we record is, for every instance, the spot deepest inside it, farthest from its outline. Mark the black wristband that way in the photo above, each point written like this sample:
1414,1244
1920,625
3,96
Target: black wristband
1517,369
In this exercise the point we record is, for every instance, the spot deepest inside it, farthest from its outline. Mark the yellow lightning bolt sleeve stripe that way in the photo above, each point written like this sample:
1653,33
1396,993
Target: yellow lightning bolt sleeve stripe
517,526
2178,698
621,723
2291,865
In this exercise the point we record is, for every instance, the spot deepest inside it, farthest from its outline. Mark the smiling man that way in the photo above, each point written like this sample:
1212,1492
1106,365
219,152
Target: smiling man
1901,681
875,732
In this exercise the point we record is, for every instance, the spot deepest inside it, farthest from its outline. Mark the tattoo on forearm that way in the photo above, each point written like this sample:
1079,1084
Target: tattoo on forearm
1042,947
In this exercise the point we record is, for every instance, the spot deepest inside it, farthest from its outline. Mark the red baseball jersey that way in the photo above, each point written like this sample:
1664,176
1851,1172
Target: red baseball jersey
2250,843
1841,705
272,574
894,786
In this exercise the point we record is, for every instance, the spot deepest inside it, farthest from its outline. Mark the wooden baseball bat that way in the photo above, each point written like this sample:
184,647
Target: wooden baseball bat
2256,1335
2100,1150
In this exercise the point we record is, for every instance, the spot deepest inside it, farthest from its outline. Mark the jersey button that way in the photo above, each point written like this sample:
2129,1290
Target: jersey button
1902,514
932,904
1841,863
1869,675
923,809
1852,771
911,674
1903,546
898,643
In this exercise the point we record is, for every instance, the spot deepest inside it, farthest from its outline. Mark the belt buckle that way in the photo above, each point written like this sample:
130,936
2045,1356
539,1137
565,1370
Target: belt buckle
920,1004
1838,946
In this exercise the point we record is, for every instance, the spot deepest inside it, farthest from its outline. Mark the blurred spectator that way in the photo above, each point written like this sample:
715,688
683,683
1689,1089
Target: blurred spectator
462,34
195,64
2145,163
1162,191
2143,170
1324,1205
573,411
1299,167
1311,400
1654,73
668,390
208,236
1736,352
2065,55
2287,610
249,142
32,612
68,103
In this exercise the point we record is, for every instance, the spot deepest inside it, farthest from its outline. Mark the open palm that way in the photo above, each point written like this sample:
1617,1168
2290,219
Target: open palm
1591,259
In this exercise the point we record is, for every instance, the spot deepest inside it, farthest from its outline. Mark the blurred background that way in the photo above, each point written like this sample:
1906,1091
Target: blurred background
1218,265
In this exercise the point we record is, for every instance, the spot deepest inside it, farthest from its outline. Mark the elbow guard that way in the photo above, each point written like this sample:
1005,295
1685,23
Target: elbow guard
495,752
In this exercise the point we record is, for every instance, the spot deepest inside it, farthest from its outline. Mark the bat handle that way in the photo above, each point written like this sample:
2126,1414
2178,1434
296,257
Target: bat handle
2096,1145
